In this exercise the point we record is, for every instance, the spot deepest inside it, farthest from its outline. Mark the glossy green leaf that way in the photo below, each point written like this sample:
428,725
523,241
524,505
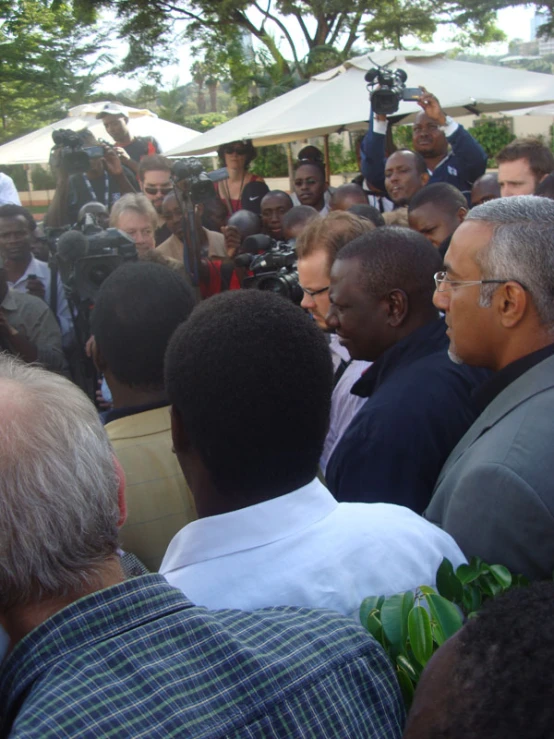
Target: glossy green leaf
391,618
467,574
426,590
502,575
407,605
447,617
421,638
373,625
368,605
472,598
448,584
406,686
489,585
404,663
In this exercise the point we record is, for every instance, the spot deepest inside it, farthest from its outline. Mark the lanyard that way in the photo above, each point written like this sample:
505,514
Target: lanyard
106,189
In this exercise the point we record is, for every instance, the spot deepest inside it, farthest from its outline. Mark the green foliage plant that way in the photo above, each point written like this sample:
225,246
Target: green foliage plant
412,626
493,135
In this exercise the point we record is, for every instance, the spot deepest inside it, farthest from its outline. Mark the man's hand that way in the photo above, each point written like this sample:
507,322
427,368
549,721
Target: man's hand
112,161
431,107
232,240
36,287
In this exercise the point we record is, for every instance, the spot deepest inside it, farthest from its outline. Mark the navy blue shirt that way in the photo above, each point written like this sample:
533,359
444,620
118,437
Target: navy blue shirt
419,406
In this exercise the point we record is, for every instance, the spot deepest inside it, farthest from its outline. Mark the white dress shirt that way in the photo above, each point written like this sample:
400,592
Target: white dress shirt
42,271
344,405
305,549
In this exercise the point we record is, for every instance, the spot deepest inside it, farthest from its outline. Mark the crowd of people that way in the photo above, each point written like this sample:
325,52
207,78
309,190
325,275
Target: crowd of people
186,554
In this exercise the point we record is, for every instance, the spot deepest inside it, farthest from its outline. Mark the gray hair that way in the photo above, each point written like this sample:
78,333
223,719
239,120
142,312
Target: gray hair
58,487
136,202
521,248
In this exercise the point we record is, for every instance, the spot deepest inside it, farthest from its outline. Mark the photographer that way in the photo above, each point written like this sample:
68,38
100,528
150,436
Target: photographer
432,135
105,181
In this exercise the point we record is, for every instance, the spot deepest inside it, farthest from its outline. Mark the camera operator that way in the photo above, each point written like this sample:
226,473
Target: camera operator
28,328
130,149
25,273
432,135
105,182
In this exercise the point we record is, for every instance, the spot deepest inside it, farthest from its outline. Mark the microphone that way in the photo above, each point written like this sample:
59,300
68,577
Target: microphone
72,245
219,174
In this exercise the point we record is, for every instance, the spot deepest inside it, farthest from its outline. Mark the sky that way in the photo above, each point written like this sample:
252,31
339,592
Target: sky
515,22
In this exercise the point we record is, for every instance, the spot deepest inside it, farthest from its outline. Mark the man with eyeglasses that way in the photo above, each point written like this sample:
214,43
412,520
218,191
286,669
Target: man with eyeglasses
495,493
154,176
417,403
452,155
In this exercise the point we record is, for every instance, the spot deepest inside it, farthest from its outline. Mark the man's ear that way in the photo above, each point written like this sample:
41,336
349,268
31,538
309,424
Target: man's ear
179,436
397,307
97,358
425,178
461,214
513,304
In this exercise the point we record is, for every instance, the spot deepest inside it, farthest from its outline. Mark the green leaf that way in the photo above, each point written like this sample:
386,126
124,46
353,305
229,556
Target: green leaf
406,686
472,598
391,618
502,575
448,584
404,663
368,605
489,585
407,605
446,615
467,574
421,638
373,625
426,590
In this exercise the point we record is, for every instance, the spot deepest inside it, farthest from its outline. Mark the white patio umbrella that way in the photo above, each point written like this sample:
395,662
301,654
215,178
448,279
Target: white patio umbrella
337,100
34,148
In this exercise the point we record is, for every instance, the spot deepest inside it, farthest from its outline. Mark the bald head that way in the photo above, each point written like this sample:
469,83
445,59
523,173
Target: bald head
246,222
346,196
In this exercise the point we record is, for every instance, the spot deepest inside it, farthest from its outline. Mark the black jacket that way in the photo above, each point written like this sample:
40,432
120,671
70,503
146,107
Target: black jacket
419,406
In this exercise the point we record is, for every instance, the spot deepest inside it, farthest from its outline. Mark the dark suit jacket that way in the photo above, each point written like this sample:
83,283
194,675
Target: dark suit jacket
419,406
495,493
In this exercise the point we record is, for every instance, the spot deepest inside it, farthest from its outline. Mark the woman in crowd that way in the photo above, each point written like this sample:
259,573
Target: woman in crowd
237,157
135,215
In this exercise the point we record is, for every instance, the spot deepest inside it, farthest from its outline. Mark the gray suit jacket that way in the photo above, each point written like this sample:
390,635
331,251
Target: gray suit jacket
495,493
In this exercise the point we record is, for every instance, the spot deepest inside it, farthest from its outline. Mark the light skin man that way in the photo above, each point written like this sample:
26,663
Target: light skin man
522,164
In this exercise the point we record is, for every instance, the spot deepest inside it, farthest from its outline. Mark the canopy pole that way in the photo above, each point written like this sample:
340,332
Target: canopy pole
327,160
290,167
27,169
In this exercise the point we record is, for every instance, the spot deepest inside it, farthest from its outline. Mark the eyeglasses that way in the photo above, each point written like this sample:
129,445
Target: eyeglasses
313,293
240,150
442,282
153,189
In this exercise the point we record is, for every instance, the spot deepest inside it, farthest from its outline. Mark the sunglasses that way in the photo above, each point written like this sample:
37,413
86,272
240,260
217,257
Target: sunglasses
153,189
240,150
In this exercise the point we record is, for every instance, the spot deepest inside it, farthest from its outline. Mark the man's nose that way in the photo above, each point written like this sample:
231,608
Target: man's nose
307,302
441,300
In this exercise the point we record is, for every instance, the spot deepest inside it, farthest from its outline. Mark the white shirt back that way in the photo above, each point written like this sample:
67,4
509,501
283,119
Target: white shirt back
305,549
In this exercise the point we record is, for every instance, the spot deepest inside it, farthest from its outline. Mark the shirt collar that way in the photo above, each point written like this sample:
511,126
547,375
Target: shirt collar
489,390
114,413
250,527
31,270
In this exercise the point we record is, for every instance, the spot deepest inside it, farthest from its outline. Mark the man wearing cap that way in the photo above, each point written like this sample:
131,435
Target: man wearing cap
131,148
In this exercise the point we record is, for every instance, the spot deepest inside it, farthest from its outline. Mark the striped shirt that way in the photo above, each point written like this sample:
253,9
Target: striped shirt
139,660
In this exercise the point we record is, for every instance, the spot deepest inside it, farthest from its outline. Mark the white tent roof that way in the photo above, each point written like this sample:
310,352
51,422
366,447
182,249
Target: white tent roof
547,110
338,99
34,148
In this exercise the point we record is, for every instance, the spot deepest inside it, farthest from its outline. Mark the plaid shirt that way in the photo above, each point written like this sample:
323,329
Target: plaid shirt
139,660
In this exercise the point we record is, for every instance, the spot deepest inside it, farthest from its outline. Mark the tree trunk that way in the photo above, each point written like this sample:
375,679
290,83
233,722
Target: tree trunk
212,89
